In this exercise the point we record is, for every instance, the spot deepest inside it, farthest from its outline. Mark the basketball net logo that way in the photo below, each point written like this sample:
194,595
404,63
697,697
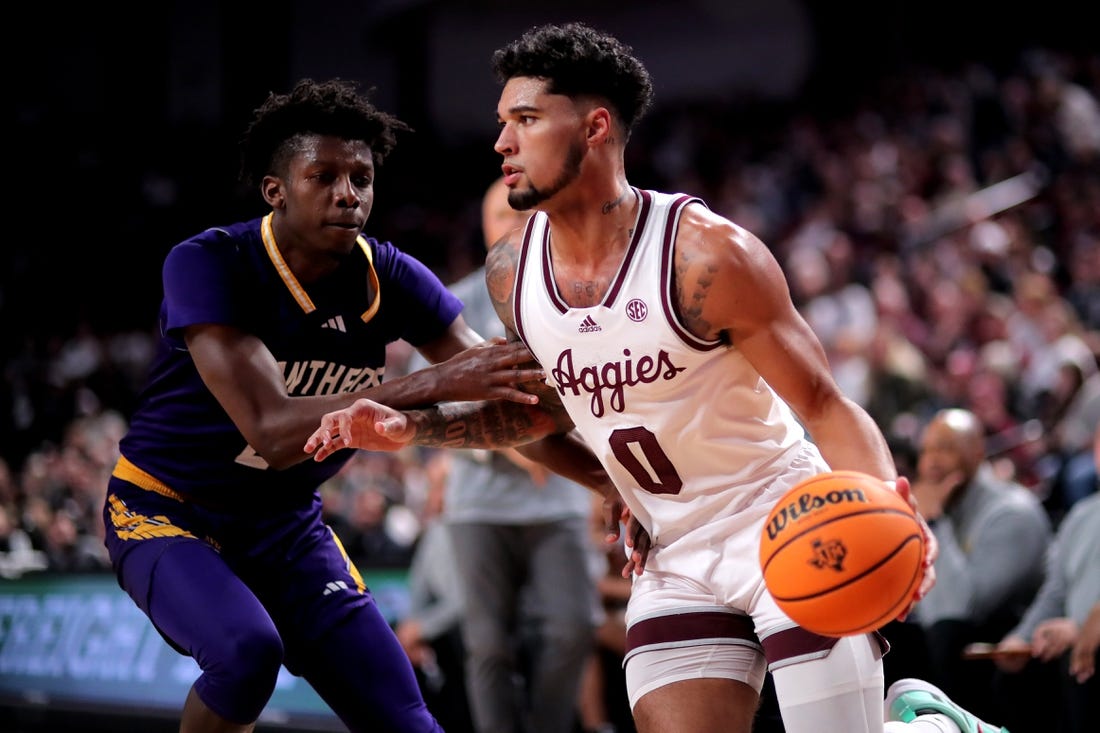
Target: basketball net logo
829,554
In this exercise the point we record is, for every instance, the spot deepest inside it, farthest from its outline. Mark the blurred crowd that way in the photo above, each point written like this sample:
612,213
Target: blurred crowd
941,234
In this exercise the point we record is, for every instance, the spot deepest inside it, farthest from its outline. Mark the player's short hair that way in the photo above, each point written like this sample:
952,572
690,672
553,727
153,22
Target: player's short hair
333,108
577,61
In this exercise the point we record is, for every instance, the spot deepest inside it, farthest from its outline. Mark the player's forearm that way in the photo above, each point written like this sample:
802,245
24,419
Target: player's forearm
850,440
567,455
491,425
417,389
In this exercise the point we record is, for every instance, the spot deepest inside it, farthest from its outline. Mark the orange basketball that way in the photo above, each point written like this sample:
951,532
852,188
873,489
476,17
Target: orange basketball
842,553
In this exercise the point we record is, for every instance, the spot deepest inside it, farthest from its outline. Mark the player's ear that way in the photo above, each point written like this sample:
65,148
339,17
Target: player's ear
272,189
601,127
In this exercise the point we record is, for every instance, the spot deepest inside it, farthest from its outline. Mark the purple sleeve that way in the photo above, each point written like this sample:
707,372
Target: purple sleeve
198,287
428,306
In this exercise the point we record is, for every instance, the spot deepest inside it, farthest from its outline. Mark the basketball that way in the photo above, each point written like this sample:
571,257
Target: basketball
842,553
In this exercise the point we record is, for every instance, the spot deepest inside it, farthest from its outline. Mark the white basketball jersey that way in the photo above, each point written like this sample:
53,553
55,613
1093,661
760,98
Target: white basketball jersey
686,428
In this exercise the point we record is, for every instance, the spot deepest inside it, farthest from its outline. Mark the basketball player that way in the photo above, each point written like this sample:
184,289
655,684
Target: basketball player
669,335
213,518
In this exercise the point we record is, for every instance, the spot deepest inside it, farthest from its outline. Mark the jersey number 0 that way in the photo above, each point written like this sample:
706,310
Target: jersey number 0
657,475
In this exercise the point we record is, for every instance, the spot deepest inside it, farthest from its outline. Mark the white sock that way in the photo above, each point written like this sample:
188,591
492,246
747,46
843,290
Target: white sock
841,692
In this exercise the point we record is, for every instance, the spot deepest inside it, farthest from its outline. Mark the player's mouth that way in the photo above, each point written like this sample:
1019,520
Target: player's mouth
349,225
511,174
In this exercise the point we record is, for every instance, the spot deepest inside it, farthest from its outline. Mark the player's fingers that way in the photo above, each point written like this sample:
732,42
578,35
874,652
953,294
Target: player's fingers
320,434
507,354
905,491
932,545
511,394
322,452
341,430
611,513
642,545
522,376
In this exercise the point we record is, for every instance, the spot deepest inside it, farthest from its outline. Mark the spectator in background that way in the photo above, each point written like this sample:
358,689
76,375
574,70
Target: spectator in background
371,541
1083,656
520,535
1069,108
1053,621
17,554
1074,415
431,632
992,535
603,706
68,550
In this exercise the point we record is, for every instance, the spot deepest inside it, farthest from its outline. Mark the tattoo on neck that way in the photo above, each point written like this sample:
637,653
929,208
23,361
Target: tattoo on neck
609,205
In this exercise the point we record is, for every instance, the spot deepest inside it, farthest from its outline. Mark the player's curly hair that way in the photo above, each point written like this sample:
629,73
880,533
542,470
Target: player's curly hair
577,60
334,107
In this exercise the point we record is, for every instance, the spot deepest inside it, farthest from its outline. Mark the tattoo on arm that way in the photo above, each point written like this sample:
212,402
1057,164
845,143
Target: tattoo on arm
501,264
491,424
692,286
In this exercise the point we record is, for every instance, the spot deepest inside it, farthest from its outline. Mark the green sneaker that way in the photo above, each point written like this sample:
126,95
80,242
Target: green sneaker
909,698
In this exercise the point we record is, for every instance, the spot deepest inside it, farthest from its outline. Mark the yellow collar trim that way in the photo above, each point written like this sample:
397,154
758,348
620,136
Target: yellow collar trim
295,287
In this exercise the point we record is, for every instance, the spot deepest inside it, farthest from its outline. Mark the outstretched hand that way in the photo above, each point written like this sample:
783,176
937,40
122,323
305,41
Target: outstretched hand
931,547
364,424
488,371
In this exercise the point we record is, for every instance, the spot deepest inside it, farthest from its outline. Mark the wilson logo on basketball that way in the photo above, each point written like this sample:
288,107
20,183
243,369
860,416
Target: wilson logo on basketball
806,503
829,554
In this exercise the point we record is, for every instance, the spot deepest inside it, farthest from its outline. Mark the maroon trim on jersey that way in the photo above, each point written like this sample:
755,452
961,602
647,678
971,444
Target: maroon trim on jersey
548,274
672,222
689,628
517,290
645,204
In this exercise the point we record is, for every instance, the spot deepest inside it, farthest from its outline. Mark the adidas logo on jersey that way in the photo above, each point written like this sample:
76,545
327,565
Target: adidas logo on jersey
588,325
336,322
334,586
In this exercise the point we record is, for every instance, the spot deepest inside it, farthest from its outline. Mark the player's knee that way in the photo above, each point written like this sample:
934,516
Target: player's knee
259,650
240,677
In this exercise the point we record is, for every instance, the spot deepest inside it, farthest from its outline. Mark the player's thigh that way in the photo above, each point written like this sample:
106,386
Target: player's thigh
695,686
194,599
178,580
708,705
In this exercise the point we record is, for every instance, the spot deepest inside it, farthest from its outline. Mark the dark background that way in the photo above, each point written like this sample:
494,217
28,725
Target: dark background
122,133
125,122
